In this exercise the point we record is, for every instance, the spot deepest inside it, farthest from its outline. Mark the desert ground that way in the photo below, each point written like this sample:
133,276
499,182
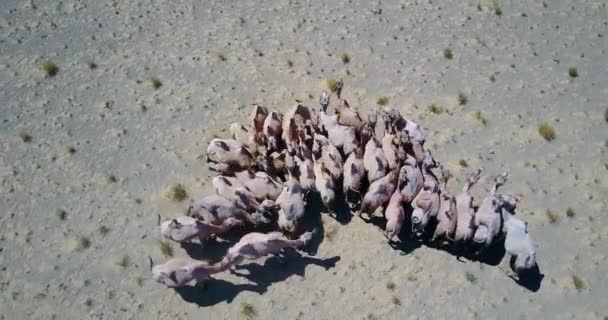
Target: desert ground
89,149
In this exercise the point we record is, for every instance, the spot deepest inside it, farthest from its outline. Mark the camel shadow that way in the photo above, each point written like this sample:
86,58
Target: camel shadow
214,291
494,254
340,211
377,221
406,245
275,269
408,242
280,267
530,279
212,251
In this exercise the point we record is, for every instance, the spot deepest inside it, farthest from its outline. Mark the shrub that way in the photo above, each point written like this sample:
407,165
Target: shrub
448,53
546,131
49,68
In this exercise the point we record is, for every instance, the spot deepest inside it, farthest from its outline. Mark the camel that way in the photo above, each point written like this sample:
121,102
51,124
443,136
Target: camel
273,130
411,179
230,152
348,116
215,209
447,217
394,214
255,245
260,184
374,160
291,206
184,228
465,226
354,173
324,184
426,203
518,242
340,136
379,193
179,272
488,218
326,152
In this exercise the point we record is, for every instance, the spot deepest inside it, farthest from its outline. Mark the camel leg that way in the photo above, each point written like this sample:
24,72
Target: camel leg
418,151
471,180
445,176
499,181
296,243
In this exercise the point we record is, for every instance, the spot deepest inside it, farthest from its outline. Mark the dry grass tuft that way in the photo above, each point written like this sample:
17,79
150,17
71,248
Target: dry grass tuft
382,101
124,261
334,85
462,98
165,248
25,137
345,58
471,277
156,84
573,72
578,282
82,243
49,68
448,53
248,310
396,301
497,9
177,192
330,232
61,214
551,216
112,178
103,230
480,117
433,108
546,131
570,213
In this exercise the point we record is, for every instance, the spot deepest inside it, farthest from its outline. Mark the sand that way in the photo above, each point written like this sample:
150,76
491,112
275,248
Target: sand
99,142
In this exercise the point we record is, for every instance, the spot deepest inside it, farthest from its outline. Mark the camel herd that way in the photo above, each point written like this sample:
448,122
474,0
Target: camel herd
267,171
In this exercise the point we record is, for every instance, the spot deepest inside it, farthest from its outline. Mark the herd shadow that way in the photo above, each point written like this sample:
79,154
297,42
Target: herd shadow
290,262
492,256
214,291
280,267
275,269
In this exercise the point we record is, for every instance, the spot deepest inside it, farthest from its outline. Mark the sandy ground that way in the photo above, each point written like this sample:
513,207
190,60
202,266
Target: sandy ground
215,58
